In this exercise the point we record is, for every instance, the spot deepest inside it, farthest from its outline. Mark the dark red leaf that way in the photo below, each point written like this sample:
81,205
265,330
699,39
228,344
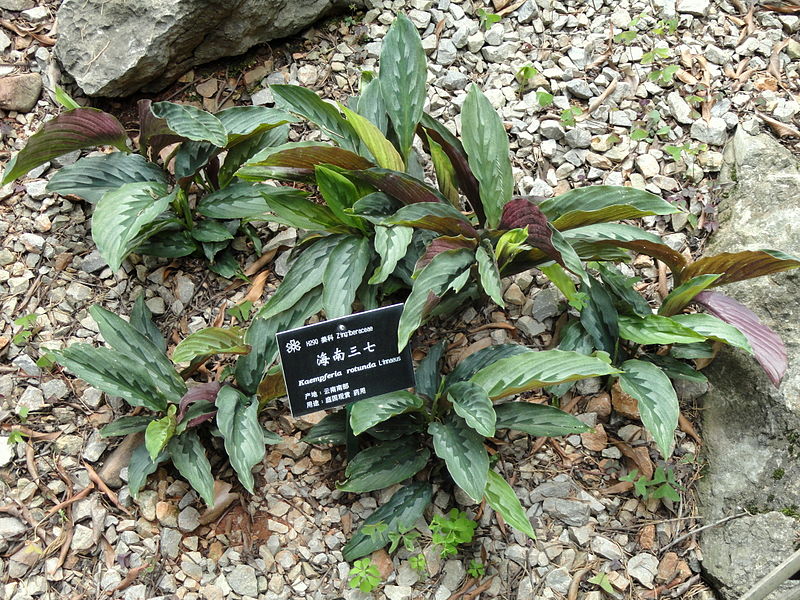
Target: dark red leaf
524,212
458,158
767,345
405,188
306,158
204,391
738,266
442,244
72,130
154,133
201,419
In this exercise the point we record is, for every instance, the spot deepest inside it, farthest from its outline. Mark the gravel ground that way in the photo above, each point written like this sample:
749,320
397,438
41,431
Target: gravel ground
734,68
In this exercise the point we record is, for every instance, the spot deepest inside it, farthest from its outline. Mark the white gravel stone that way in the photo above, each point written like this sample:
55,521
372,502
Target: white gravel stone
713,132
643,567
82,538
679,108
242,580
648,165
698,8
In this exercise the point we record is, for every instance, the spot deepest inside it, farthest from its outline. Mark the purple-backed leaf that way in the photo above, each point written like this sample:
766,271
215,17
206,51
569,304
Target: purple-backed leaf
200,419
309,157
738,266
442,244
204,391
767,345
436,216
458,157
523,212
71,130
154,133
405,188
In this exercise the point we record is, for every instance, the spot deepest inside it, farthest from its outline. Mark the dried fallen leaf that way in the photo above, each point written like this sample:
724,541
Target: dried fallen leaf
782,130
596,440
624,404
119,459
223,498
639,455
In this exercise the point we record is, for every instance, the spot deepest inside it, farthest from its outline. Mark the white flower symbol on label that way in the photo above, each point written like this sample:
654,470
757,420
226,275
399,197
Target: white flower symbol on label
292,346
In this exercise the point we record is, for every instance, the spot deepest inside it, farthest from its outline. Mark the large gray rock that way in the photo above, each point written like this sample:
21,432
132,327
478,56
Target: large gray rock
118,47
751,429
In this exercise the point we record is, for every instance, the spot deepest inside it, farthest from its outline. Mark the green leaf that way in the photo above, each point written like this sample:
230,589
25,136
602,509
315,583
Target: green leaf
391,243
113,373
126,425
91,177
381,148
211,231
656,329
243,122
473,405
383,465
693,351
461,448
260,336
249,147
403,75
556,273
343,275
64,99
158,434
427,375
399,514
490,276
503,499
601,203
331,430
622,287
71,130
189,457
371,106
237,419
629,237
445,172
141,320
245,201
304,275
436,216
139,350
540,420
371,411
191,157
683,294
481,359
739,266
430,285
676,369
658,403
140,467
599,316
308,105
339,194
209,341
303,214
711,327
532,370
192,123
486,143
122,214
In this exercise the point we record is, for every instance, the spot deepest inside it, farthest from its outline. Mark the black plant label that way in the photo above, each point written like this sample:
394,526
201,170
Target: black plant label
344,360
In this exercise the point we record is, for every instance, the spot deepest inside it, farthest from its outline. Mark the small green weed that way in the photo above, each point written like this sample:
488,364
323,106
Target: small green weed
662,485
487,19
568,116
418,563
476,569
26,323
451,530
601,580
364,575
